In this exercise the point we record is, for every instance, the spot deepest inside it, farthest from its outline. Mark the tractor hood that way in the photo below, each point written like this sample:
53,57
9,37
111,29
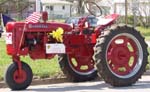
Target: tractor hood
38,27
48,26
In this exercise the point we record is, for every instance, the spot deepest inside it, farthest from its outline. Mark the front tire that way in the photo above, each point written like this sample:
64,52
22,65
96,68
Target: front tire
16,81
121,56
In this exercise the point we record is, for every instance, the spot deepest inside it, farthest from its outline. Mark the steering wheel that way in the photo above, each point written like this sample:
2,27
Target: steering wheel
93,8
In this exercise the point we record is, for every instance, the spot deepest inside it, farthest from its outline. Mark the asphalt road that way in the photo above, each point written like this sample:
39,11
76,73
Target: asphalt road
143,85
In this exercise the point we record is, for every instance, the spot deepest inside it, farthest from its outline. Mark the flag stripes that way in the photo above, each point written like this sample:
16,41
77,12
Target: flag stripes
33,18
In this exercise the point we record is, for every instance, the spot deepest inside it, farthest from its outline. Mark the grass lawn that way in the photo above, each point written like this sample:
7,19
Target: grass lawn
44,68
148,65
145,32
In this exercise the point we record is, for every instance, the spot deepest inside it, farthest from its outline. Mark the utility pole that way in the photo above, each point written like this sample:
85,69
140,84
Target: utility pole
126,11
18,13
38,6
135,5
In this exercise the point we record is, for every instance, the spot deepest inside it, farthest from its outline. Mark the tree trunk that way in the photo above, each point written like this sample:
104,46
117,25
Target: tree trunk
80,7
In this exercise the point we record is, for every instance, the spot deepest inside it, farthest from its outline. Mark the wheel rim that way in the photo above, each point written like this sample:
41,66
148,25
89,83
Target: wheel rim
123,55
82,66
20,78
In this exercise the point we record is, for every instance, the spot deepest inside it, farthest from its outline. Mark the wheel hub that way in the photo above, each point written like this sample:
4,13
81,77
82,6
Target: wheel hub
81,65
19,77
121,55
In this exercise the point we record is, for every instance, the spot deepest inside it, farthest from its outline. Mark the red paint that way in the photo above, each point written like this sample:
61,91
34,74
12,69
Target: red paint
112,16
36,36
93,38
20,78
44,16
119,55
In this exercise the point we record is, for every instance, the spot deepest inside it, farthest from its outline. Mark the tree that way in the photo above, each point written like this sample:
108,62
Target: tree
141,12
144,14
15,6
80,7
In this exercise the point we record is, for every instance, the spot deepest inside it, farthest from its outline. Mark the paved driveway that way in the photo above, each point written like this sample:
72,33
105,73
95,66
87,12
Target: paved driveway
143,85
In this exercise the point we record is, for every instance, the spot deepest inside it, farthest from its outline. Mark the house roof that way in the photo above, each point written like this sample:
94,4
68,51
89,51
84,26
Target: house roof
55,2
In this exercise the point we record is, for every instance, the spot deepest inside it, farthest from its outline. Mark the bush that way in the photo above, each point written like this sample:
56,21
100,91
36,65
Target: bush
130,20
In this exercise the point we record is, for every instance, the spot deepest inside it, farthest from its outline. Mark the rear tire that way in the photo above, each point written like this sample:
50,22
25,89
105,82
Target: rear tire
121,63
75,75
14,81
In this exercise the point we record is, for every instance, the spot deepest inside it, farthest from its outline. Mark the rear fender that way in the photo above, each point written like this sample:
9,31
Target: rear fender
105,22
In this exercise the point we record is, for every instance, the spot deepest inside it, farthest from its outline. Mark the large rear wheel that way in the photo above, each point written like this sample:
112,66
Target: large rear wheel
121,55
77,69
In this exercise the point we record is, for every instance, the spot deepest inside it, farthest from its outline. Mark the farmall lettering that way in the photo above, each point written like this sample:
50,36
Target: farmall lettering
37,26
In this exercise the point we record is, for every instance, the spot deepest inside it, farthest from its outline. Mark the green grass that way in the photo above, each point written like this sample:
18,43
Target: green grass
41,68
148,65
145,32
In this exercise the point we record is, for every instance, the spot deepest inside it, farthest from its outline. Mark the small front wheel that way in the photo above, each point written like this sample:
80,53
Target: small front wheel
18,81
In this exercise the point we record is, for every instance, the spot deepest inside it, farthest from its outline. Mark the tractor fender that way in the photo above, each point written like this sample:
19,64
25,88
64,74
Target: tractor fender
10,26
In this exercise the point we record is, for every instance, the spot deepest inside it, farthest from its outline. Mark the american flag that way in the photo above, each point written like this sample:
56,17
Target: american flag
33,18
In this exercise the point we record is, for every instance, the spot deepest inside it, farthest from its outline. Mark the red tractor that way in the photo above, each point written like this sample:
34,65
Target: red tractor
119,52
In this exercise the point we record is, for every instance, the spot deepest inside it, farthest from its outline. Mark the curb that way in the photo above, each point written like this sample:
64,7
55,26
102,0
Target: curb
46,81
41,81
147,72
56,80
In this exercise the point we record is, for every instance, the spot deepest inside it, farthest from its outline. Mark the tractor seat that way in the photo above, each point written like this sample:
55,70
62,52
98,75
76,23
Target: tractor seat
104,21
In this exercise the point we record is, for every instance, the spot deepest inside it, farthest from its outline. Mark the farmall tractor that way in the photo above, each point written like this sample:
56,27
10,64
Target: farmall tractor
118,53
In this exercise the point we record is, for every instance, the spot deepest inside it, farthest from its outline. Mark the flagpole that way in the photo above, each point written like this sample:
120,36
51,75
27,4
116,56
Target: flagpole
24,28
2,23
38,6
126,11
38,9
28,20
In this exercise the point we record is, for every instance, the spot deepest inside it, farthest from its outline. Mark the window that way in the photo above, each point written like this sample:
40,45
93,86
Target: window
47,7
31,6
63,7
51,8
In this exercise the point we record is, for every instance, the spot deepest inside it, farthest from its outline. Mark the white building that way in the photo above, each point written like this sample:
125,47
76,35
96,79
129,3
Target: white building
118,6
57,8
